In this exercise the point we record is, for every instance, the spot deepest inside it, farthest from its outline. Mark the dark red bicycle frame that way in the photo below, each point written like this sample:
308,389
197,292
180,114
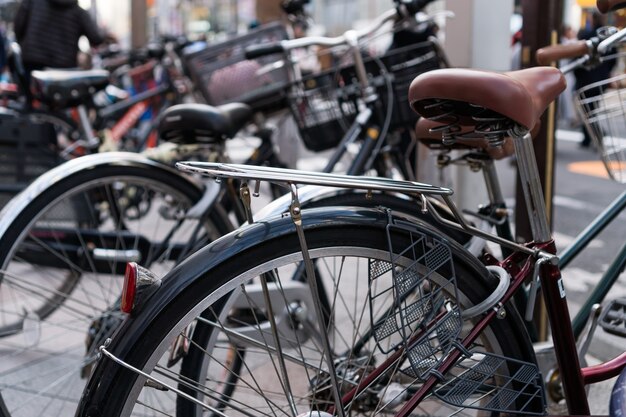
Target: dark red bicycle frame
573,377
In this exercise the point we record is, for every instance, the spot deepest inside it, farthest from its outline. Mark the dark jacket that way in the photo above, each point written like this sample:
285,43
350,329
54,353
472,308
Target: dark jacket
585,76
48,32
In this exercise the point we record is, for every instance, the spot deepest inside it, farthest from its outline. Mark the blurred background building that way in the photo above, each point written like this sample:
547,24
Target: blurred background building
469,37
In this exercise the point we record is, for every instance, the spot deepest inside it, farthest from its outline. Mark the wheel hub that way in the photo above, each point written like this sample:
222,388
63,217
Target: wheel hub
350,372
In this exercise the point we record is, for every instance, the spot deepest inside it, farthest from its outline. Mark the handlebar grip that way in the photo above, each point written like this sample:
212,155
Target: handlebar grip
549,54
256,51
606,6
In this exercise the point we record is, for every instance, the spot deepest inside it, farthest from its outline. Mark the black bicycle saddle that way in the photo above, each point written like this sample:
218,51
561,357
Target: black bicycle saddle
201,123
67,88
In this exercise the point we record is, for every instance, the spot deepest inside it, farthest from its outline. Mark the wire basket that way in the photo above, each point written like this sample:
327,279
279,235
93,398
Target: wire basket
325,105
494,383
416,309
393,73
27,150
602,108
223,75
322,109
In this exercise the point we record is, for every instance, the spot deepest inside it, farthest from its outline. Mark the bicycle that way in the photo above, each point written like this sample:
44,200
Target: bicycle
53,93
41,136
431,327
108,198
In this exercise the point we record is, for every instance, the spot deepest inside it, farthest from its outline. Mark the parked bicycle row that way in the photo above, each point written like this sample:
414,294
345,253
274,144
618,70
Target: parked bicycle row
360,290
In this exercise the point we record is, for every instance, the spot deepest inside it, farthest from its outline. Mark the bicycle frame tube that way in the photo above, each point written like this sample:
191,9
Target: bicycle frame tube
600,290
550,276
351,135
494,191
592,230
604,371
131,101
128,120
563,337
610,276
85,125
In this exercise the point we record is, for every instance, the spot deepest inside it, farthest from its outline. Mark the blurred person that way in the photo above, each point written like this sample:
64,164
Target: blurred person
586,76
3,53
516,50
48,32
408,36
306,58
3,50
567,113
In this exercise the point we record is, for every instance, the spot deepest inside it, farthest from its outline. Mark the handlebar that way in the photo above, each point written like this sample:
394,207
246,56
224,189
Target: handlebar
552,53
350,37
256,51
590,52
404,8
608,43
606,6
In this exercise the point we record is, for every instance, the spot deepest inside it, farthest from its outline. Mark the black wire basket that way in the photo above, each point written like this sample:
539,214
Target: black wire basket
27,150
323,110
223,75
325,105
392,74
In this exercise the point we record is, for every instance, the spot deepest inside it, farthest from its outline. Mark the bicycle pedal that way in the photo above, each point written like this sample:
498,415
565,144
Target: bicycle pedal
613,318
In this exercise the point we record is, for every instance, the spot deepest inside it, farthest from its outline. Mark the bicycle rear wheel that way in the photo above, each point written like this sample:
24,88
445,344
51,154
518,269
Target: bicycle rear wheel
284,368
62,261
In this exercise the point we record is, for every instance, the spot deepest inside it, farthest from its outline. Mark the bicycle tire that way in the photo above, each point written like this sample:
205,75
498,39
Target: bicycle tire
57,292
398,204
141,341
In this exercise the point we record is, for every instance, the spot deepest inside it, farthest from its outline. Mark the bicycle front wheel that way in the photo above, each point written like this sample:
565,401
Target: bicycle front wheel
299,359
62,260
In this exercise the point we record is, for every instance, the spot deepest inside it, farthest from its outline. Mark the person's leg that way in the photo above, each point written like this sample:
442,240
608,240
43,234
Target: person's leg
590,107
26,79
586,138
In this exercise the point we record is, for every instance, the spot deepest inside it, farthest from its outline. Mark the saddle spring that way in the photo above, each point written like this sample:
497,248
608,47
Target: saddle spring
493,126
451,125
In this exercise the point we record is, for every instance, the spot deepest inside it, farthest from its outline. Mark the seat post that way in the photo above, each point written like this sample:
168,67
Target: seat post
85,125
531,185
494,191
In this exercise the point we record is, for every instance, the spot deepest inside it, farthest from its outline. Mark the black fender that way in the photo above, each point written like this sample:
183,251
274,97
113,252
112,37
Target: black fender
73,167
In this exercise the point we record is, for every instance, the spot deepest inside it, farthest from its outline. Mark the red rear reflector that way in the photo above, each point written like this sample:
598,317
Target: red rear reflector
130,286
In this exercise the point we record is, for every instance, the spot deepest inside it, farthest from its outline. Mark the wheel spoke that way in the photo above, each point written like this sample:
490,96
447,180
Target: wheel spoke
58,301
